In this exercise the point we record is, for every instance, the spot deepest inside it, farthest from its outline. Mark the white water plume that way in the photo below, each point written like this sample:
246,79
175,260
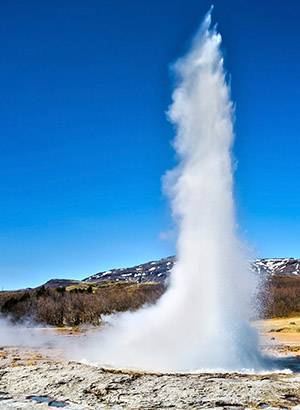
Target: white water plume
201,322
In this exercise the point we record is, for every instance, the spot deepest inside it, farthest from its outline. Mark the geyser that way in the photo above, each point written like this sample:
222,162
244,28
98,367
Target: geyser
201,322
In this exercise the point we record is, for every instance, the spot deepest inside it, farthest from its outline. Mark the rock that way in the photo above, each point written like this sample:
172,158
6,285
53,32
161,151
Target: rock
80,386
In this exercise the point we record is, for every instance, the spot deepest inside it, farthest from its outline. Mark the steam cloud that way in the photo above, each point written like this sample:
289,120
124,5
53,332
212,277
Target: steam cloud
201,322
26,334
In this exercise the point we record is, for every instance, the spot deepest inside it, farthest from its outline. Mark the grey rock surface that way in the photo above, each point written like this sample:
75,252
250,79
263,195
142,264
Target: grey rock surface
80,386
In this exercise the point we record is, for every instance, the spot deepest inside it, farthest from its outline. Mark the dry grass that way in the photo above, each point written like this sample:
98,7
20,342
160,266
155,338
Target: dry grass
280,336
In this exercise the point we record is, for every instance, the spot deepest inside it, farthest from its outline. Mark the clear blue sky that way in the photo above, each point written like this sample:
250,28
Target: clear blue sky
84,138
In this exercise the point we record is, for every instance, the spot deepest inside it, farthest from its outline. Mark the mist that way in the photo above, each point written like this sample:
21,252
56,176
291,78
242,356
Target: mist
26,334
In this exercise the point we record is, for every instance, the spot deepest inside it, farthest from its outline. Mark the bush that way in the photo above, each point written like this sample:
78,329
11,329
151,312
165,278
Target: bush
281,297
9,305
60,307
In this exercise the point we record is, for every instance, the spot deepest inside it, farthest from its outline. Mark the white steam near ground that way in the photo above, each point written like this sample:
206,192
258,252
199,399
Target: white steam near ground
25,334
202,321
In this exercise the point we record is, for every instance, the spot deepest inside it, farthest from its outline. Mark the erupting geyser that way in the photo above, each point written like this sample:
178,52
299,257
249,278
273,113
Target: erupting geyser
201,322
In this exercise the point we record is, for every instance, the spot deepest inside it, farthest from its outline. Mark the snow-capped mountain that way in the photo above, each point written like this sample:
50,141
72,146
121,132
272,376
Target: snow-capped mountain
158,271
277,266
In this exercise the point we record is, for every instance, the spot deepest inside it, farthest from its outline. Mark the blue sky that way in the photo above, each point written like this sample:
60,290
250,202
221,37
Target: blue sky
84,138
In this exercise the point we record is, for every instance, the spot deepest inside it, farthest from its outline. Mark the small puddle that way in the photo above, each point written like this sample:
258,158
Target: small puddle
229,405
4,396
263,406
57,404
4,362
40,399
44,399
291,398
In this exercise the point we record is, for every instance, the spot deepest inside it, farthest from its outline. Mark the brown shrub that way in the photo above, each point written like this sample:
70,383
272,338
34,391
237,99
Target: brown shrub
281,297
58,307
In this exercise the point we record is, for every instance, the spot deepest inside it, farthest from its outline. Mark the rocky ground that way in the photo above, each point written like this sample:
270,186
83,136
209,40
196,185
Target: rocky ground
28,380
31,379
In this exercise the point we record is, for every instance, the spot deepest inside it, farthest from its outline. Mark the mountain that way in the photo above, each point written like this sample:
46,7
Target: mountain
155,271
56,283
277,266
158,271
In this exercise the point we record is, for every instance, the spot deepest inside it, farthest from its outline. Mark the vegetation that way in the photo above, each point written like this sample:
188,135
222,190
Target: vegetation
281,297
87,303
76,305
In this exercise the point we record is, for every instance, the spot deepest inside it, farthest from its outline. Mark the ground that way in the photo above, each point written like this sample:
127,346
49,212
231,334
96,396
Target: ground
30,379
280,335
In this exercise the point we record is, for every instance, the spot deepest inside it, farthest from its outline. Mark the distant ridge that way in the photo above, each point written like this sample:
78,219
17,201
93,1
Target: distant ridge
56,283
154,271
277,266
159,271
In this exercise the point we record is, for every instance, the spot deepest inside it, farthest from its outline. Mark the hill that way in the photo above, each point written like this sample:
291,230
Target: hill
159,271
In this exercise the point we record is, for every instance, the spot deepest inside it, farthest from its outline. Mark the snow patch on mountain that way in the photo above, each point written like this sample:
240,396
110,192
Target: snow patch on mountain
159,271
